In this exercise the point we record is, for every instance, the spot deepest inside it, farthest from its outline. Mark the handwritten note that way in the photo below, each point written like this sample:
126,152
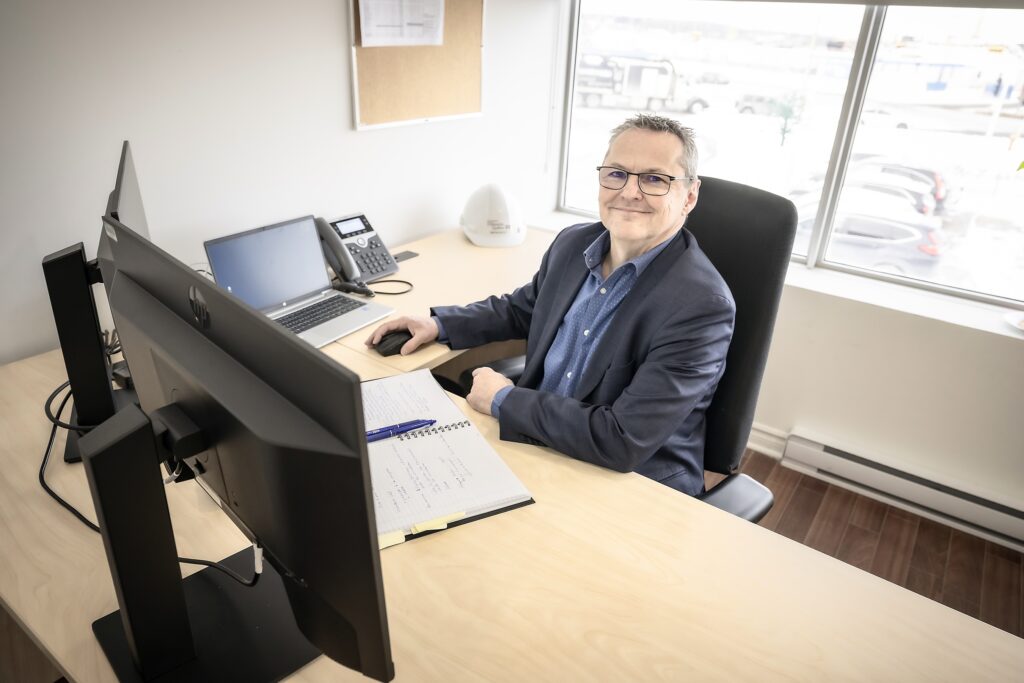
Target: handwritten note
444,472
402,398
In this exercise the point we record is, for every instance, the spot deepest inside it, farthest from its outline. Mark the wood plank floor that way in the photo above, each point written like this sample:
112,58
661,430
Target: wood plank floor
21,660
967,573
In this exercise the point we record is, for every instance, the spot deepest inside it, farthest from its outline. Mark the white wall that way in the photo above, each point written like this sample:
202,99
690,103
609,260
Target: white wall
928,397
239,114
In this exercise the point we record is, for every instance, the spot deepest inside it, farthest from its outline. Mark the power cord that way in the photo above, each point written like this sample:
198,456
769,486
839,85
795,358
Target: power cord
401,282
48,409
46,459
111,346
111,342
362,288
55,420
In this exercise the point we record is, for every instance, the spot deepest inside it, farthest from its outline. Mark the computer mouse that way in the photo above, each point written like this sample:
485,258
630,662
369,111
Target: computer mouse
392,342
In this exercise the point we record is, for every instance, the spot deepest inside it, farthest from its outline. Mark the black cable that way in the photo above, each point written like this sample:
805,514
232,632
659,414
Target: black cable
113,346
401,282
82,518
48,408
249,583
46,459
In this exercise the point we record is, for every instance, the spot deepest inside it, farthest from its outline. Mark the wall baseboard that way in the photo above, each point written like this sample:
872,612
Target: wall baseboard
767,440
973,514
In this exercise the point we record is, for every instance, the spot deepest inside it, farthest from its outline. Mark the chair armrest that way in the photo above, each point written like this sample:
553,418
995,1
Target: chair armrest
512,368
742,496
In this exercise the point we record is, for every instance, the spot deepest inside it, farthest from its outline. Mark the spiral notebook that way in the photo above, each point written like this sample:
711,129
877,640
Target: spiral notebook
432,478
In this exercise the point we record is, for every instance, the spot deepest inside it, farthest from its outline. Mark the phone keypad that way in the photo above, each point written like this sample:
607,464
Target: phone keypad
374,260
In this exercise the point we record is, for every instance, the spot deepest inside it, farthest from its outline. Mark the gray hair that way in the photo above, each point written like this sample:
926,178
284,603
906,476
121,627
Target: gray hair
663,124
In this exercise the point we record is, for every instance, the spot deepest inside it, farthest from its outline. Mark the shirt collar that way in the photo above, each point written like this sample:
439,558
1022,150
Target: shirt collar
595,253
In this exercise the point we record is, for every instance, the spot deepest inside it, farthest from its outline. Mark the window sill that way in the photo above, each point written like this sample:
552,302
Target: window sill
976,315
554,221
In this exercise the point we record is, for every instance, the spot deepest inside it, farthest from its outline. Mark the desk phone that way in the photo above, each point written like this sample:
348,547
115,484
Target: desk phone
354,250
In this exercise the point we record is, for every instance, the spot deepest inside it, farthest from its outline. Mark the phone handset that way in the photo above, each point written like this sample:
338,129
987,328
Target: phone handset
340,260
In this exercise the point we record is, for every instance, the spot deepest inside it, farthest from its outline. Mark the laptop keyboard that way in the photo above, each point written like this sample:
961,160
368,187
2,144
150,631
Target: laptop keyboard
301,320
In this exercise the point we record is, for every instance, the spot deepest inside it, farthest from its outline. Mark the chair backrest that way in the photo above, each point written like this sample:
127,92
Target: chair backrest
748,235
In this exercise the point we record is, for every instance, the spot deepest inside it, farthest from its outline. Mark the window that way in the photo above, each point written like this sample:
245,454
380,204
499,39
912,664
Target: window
927,145
941,120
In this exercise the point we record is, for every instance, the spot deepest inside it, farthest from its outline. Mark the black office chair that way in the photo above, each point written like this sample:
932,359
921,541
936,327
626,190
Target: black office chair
748,234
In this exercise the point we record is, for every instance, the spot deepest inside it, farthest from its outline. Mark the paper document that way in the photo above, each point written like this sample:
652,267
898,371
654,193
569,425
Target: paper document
401,22
432,477
407,397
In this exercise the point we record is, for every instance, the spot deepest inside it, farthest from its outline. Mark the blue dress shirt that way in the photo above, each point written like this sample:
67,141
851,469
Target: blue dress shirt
587,319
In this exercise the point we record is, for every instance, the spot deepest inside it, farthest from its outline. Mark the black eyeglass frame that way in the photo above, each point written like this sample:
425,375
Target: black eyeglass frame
668,177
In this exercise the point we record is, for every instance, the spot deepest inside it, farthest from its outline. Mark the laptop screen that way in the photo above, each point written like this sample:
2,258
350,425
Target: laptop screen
270,267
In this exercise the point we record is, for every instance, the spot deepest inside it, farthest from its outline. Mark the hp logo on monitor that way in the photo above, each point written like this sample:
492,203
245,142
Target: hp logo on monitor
198,305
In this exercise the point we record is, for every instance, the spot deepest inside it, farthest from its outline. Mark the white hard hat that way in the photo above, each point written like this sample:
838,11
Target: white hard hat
492,218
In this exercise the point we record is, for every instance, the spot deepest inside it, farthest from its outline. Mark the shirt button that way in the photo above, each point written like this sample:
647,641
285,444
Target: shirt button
569,375
604,291
586,333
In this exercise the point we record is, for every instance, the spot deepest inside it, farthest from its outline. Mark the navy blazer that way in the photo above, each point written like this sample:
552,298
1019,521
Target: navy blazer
640,402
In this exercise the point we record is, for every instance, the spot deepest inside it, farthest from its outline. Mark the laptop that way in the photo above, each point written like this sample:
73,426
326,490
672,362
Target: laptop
280,271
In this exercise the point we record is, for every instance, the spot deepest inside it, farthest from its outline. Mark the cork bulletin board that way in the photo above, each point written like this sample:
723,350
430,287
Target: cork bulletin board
412,84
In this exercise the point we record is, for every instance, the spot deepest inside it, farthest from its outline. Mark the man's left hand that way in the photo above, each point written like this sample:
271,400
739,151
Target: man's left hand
486,383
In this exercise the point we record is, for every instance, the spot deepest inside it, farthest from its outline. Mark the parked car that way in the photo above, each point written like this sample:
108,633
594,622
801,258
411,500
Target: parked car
876,199
922,201
899,172
915,184
925,191
876,243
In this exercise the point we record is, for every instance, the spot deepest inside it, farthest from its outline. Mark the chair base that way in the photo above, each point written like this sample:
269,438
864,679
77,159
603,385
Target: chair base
742,496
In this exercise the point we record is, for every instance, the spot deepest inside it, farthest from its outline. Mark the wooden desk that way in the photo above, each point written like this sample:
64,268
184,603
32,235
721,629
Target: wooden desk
607,577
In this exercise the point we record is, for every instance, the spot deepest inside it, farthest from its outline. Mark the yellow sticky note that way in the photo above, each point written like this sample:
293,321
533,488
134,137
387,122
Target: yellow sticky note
435,524
390,539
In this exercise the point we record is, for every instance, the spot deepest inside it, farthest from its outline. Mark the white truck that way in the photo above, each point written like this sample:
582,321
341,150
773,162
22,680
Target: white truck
634,83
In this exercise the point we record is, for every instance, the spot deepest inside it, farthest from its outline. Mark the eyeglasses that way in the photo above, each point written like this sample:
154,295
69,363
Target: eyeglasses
653,184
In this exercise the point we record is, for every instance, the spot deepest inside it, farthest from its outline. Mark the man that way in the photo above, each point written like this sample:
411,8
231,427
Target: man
627,322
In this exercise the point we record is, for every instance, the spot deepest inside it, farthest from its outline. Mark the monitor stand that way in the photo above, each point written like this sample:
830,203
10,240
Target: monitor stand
240,633
122,398
69,282
206,627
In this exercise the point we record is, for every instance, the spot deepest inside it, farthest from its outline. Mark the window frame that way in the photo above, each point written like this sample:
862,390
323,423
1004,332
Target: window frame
865,53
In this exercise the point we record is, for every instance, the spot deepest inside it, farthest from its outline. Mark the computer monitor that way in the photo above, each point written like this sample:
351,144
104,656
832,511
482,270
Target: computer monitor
69,279
284,455
125,204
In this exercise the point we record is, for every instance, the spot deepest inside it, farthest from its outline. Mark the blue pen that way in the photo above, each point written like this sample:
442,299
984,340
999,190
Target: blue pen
395,430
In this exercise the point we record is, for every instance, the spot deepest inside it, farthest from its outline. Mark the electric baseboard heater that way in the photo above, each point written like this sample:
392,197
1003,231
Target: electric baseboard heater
1000,523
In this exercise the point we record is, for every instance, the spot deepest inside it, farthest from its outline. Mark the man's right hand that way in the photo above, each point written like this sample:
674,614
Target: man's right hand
422,328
